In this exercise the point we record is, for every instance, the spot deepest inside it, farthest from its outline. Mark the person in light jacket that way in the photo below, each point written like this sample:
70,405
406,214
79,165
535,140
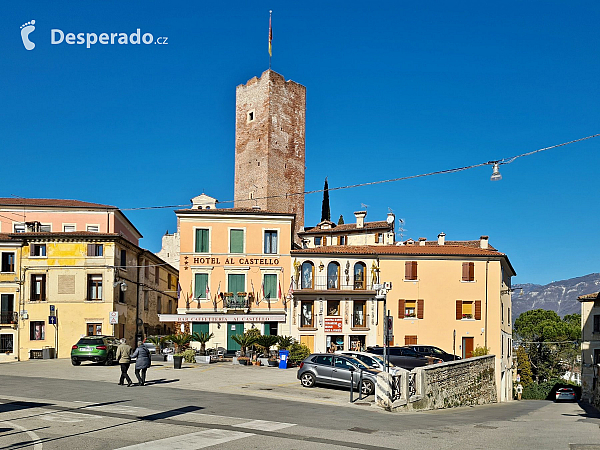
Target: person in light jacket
142,363
123,357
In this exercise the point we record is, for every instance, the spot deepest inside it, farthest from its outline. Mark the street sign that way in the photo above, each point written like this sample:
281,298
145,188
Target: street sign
52,310
52,320
113,317
389,327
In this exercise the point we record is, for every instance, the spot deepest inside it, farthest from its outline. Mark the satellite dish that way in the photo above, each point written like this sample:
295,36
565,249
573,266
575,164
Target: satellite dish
390,219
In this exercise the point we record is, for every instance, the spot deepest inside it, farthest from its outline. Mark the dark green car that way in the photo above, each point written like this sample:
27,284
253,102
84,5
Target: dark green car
100,349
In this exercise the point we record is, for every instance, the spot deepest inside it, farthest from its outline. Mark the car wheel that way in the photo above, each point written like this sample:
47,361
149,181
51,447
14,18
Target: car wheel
307,379
75,362
368,387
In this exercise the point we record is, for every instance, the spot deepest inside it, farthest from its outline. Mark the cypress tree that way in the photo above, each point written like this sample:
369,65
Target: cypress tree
325,212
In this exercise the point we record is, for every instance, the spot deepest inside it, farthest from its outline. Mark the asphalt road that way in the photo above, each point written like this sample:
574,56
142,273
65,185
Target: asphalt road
60,413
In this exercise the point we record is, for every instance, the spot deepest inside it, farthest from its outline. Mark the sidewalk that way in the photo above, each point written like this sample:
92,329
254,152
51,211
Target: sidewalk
222,377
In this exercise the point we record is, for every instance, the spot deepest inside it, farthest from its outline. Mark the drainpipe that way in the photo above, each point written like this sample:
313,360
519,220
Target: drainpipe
137,300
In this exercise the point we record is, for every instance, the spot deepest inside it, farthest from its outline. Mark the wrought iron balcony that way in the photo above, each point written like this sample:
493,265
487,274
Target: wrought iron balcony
236,302
9,317
342,283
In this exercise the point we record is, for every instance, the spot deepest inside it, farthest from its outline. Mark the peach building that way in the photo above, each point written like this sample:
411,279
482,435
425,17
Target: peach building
234,271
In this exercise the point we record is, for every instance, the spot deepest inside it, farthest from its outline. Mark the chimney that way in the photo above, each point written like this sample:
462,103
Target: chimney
360,218
441,238
483,242
422,241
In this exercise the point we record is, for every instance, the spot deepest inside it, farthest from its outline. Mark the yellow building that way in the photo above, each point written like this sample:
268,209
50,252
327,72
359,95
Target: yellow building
590,347
234,271
10,265
70,284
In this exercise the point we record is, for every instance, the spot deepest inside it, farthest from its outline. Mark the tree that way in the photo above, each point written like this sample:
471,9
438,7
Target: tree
284,342
341,220
244,340
203,337
181,341
551,343
158,341
266,342
325,212
524,366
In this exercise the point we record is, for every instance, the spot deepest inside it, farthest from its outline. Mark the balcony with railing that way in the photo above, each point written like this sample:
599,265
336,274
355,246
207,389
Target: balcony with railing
343,283
237,300
8,317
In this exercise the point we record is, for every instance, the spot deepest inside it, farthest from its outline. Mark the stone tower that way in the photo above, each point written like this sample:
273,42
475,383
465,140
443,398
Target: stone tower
269,145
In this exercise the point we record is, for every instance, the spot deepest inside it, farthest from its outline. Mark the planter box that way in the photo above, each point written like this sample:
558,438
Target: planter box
177,361
203,359
264,361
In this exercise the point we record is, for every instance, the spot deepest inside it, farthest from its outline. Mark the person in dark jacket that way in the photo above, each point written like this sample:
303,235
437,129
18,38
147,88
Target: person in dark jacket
123,357
142,363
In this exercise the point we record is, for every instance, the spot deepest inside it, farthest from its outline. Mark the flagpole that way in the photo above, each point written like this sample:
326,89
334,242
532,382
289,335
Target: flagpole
270,38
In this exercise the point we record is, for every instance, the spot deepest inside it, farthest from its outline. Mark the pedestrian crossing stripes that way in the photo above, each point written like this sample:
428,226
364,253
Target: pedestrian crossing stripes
264,425
191,441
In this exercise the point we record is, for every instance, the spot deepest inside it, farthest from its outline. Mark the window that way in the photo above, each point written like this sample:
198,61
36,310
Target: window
323,359
270,286
94,287
468,271
359,276
146,300
95,250
410,339
6,343
342,240
93,228
308,271
318,240
123,258
19,228
333,307
7,308
202,236
38,287
359,315
236,283
333,275
169,281
37,330
170,308
270,241
146,270
378,238
468,310
343,364
306,314
596,323
37,250
8,262
502,312
94,329
410,270
121,295
69,228
45,228
411,309
236,241
156,275
251,116
158,304
200,284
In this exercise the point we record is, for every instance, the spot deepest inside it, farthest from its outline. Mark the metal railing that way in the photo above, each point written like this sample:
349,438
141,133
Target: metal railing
9,317
236,302
343,283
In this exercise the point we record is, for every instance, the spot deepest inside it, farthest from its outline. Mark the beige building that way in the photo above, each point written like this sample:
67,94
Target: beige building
10,268
590,347
235,271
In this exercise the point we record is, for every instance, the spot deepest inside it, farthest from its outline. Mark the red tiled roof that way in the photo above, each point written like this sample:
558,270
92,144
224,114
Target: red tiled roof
348,227
230,210
422,250
52,202
589,297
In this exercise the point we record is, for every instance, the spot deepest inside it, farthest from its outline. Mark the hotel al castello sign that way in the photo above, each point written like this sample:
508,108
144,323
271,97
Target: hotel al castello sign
228,261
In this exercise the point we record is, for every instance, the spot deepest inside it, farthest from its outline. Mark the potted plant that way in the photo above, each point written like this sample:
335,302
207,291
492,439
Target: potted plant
180,341
244,340
158,342
202,337
265,342
244,360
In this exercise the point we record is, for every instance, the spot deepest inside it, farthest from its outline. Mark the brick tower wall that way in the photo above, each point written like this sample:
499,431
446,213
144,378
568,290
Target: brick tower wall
269,150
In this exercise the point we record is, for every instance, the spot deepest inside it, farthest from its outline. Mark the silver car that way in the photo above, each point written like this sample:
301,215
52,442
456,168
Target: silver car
565,394
327,368
371,360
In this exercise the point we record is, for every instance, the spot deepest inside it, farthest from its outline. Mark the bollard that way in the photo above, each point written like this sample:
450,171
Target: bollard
360,382
351,384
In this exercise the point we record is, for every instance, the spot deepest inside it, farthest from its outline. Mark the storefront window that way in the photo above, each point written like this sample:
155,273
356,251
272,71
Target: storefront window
357,343
359,314
335,343
333,307
306,314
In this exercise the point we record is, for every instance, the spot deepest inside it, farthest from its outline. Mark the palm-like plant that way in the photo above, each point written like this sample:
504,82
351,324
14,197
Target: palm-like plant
244,340
285,342
266,342
180,341
158,341
203,337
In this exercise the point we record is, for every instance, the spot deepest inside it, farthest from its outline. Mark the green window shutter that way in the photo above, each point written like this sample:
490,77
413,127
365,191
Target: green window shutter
236,241
236,283
199,327
201,241
200,285
270,286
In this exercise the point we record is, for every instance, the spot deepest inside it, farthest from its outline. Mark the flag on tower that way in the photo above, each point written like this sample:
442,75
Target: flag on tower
270,35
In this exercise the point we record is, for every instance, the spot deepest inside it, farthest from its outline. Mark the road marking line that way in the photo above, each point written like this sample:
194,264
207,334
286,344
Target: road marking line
192,441
265,425
37,442
67,417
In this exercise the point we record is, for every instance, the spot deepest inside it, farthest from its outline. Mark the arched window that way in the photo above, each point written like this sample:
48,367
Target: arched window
333,275
308,270
360,278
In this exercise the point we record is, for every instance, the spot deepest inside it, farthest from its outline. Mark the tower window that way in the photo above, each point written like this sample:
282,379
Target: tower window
250,117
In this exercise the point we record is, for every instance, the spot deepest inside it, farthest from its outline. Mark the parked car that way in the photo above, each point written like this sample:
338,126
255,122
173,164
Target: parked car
100,349
430,350
151,347
371,360
566,394
405,357
327,368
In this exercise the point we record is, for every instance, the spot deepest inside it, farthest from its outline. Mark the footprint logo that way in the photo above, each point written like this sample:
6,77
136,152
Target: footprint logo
26,30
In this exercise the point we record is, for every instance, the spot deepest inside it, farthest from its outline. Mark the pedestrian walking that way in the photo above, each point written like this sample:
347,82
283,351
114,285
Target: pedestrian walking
141,363
519,391
123,357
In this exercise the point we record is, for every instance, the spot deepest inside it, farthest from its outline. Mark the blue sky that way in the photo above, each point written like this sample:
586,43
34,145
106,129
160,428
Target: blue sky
393,89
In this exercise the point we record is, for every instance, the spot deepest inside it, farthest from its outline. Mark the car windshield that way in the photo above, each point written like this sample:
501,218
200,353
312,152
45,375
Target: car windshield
437,351
368,360
359,363
90,342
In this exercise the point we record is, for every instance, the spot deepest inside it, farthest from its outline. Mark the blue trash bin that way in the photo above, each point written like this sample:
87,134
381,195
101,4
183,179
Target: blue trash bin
283,358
